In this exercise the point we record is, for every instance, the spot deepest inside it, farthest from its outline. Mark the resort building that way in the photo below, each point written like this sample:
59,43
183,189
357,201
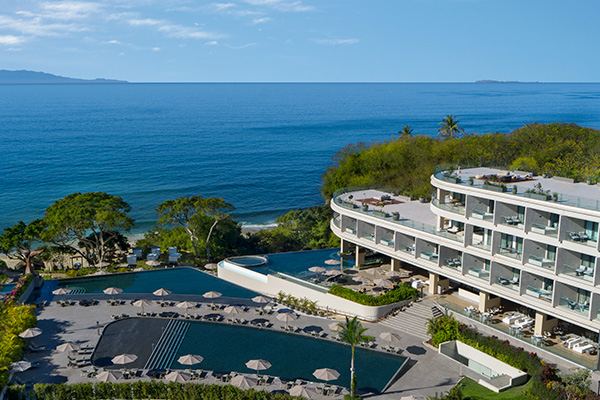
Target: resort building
492,237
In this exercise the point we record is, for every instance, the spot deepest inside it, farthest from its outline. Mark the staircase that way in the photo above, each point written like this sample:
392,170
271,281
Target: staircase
166,349
413,320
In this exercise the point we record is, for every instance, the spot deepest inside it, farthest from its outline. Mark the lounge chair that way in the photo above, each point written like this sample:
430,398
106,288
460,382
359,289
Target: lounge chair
579,271
583,236
589,271
574,236
503,281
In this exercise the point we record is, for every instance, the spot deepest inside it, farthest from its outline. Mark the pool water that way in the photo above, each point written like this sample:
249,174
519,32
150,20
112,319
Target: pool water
7,288
180,280
297,263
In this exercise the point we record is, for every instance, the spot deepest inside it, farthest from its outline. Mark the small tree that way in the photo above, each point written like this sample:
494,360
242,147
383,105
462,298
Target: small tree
352,332
449,127
406,131
16,242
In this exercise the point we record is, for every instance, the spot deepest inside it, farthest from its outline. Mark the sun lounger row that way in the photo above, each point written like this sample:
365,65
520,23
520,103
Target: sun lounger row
579,236
512,220
118,316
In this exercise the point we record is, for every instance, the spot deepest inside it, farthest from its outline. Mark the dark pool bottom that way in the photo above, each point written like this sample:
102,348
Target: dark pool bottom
227,348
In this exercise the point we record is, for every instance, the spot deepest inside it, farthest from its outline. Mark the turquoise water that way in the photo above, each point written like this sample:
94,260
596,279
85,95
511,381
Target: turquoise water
177,280
262,147
7,288
228,348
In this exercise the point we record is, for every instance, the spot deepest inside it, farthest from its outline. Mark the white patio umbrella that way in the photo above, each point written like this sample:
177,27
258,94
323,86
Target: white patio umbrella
211,295
332,261
326,374
101,272
261,299
303,391
109,376
211,266
372,271
384,283
286,317
244,382
233,310
30,333
317,269
333,272
178,376
142,303
124,359
395,274
138,269
258,365
186,304
67,347
161,292
61,290
190,359
390,337
20,366
113,291
334,326
361,279
153,263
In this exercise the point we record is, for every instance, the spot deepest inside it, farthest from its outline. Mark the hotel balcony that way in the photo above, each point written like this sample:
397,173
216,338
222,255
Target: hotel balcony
538,287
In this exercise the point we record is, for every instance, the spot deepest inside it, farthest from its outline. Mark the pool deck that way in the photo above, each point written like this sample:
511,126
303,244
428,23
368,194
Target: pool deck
427,373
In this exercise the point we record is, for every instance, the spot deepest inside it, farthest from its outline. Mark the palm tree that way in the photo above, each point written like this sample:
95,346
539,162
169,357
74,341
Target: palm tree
449,127
406,131
351,332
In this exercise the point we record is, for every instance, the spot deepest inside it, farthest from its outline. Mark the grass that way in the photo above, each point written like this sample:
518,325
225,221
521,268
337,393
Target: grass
474,391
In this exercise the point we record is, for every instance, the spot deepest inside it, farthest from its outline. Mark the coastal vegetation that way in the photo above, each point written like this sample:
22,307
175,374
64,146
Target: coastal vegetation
406,163
400,292
352,332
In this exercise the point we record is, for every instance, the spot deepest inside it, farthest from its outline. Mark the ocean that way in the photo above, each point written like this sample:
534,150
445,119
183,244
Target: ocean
262,147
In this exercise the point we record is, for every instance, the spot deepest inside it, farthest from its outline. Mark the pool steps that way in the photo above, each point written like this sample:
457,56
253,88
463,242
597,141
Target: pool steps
168,345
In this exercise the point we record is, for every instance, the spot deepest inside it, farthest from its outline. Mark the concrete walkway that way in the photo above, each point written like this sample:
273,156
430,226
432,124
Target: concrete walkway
427,373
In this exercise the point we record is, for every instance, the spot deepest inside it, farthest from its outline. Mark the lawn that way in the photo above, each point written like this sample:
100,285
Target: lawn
474,391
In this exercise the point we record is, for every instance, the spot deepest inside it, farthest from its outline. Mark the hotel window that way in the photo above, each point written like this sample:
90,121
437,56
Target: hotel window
511,243
521,213
551,253
591,230
588,261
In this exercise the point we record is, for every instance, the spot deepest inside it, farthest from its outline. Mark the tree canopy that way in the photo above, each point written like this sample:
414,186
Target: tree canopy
566,150
87,223
16,241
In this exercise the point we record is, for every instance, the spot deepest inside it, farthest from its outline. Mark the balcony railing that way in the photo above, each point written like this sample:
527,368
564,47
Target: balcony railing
453,207
539,293
541,262
580,308
544,230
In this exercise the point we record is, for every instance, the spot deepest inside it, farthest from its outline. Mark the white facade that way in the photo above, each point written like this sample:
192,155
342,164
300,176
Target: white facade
541,251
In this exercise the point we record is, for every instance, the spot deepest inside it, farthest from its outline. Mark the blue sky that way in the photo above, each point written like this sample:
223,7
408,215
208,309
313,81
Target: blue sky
304,40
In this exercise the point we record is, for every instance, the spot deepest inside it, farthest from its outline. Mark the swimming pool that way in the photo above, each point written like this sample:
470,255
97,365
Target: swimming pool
7,288
227,348
181,280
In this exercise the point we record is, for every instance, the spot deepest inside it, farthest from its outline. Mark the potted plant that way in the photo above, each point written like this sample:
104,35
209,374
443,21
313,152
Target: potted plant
555,196
514,190
471,180
365,206
396,216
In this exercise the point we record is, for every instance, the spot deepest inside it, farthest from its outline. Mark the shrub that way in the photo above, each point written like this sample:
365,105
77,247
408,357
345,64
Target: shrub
400,293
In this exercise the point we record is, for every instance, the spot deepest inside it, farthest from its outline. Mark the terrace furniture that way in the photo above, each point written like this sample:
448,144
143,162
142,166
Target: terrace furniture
503,281
579,271
583,236
571,303
453,229
582,347
589,271
514,281
574,236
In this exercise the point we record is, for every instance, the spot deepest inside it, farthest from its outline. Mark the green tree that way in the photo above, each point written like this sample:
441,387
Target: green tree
16,242
352,332
449,127
193,214
406,131
87,223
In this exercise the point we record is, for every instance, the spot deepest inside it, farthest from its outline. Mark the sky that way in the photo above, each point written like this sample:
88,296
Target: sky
304,40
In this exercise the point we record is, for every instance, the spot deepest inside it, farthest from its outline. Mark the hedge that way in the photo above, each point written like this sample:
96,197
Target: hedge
400,293
142,390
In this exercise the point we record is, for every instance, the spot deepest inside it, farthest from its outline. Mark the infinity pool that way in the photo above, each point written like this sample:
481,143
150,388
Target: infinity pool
227,348
180,280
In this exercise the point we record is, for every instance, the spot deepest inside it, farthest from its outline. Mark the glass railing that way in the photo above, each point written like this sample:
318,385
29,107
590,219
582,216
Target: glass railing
509,252
576,201
456,208
479,273
539,293
406,222
544,230
579,272
568,304
541,262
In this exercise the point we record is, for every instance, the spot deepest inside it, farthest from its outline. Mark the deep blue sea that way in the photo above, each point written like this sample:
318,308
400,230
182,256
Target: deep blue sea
262,147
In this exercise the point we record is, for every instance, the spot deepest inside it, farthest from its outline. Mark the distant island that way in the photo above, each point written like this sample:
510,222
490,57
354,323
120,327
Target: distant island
7,77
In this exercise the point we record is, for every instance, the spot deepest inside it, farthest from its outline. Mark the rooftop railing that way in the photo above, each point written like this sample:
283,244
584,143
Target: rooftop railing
447,175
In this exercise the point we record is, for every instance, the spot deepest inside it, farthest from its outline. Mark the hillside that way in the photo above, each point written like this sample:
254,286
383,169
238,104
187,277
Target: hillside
20,77
406,163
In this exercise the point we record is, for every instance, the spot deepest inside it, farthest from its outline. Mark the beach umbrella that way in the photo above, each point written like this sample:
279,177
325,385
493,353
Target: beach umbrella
109,376
334,326
138,269
317,269
161,292
178,376
326,374
124,359
390,337
361,279
244,382
303,391
61,291
186,304
211,266
20,366
67,347
372,271
113,291
233,310
332,261
101,272
30,333
394,274
261,299
190,359
211,295
333,272
286,317
384,283
141,303
258,365
153,263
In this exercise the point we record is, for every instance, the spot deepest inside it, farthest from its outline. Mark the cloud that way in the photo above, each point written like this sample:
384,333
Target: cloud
211,43
156,49
262,20
281,5
336,42
222,6
242,46
175,30
37,27
64,11
10,40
